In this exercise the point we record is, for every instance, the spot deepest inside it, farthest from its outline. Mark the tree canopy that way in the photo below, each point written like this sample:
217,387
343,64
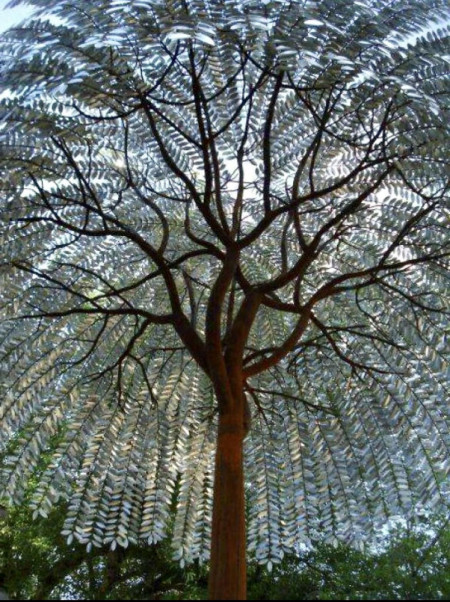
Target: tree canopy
221,219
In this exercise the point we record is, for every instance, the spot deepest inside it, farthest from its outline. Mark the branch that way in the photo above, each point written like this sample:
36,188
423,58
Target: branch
267,155
313,406
352,363
331,288
270,217
215,359
283,350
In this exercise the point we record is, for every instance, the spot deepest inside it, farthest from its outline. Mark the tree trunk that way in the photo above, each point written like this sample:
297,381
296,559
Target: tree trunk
227,579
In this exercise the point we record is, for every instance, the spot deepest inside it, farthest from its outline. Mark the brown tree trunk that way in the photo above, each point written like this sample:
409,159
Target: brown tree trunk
227,579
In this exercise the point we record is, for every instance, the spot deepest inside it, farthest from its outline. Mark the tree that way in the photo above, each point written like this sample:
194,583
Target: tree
407,564
226,221
38,565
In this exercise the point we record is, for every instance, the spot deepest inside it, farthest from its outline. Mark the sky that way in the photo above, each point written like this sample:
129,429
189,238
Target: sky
9,17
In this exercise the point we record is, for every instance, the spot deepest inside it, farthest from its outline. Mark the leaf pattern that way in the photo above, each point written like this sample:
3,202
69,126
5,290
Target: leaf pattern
140,143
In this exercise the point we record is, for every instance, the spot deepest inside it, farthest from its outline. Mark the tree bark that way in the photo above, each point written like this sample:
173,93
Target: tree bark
227,579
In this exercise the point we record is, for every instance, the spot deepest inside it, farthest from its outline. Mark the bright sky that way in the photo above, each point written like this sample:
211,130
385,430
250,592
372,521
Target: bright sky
9,17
